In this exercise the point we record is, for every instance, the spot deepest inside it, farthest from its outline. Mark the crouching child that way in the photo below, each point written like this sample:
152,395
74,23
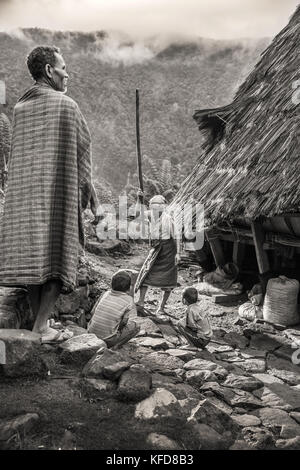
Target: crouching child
111,314
194,326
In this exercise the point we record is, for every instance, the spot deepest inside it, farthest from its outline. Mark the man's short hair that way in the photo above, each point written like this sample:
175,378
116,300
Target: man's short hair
121,281
190,294
39,57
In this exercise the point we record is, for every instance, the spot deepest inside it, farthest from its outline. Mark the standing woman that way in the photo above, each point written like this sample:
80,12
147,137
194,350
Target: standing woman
160,267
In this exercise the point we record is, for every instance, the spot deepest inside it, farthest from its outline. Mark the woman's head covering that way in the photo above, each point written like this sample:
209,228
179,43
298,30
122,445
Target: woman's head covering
157,199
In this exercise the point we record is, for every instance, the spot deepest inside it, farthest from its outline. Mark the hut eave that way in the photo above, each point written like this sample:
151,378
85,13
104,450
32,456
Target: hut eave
212,123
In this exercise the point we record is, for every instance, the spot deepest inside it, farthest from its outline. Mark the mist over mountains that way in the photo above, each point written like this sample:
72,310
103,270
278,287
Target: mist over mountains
175,76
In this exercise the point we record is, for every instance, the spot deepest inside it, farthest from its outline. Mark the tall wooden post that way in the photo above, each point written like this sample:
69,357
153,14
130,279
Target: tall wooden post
139,160
138,139
216,248
238,253
261,254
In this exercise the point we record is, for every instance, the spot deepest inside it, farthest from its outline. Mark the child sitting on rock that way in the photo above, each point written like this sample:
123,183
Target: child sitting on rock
110,320
195,326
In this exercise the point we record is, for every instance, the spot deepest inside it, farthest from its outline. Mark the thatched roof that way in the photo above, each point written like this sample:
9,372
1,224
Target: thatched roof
251,165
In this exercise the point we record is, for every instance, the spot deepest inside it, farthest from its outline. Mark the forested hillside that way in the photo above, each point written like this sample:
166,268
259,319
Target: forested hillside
174,79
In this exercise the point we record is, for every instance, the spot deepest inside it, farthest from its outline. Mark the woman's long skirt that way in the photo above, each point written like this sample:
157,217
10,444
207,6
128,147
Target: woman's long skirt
162,272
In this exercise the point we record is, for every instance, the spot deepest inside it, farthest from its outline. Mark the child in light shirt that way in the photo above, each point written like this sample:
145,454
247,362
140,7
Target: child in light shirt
111,314
195,326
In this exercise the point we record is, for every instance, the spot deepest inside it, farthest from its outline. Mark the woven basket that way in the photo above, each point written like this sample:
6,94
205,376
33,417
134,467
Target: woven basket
280,304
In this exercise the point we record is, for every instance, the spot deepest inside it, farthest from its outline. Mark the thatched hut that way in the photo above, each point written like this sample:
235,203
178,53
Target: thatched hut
248,176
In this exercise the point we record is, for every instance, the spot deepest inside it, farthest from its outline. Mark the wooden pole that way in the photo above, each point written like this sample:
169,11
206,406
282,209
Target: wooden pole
139,160
238,253
261,255
138,140
216,249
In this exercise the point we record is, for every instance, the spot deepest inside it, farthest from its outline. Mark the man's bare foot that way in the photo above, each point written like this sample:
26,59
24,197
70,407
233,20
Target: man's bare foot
140,309
50,335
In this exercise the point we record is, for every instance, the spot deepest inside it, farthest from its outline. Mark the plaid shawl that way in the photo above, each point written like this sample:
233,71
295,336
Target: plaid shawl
49,184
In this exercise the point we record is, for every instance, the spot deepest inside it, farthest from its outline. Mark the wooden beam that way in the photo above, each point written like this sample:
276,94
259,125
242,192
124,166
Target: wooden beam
216,249
261,254
228,237
238,253
272,239
228,298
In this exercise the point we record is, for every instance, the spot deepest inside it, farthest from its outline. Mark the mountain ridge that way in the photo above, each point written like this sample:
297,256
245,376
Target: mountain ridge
174,79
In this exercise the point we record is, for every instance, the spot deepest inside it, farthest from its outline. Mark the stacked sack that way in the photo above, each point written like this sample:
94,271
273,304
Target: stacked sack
281,301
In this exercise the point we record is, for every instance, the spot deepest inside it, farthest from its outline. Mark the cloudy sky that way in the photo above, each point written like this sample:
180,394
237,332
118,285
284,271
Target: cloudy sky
143,18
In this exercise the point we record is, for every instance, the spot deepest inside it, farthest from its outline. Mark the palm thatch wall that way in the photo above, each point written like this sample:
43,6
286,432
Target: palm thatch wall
251,164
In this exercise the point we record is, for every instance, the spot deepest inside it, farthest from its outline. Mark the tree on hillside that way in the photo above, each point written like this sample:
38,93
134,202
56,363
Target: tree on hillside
173,84
159,178
5,137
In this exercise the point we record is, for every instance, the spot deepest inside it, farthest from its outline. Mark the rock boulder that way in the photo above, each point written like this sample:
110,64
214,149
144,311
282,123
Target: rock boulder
80,349
103,358
20,353
134,384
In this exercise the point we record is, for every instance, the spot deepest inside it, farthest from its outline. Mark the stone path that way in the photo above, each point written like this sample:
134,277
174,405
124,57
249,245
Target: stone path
231,395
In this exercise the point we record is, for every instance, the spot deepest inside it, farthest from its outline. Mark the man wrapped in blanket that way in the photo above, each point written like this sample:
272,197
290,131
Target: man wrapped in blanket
49,185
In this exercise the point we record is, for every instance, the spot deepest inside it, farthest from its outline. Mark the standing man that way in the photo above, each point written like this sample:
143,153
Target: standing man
49,185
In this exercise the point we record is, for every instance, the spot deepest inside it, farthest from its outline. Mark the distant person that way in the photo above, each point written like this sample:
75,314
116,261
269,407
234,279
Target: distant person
195,326
49,185
160,267
112,313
